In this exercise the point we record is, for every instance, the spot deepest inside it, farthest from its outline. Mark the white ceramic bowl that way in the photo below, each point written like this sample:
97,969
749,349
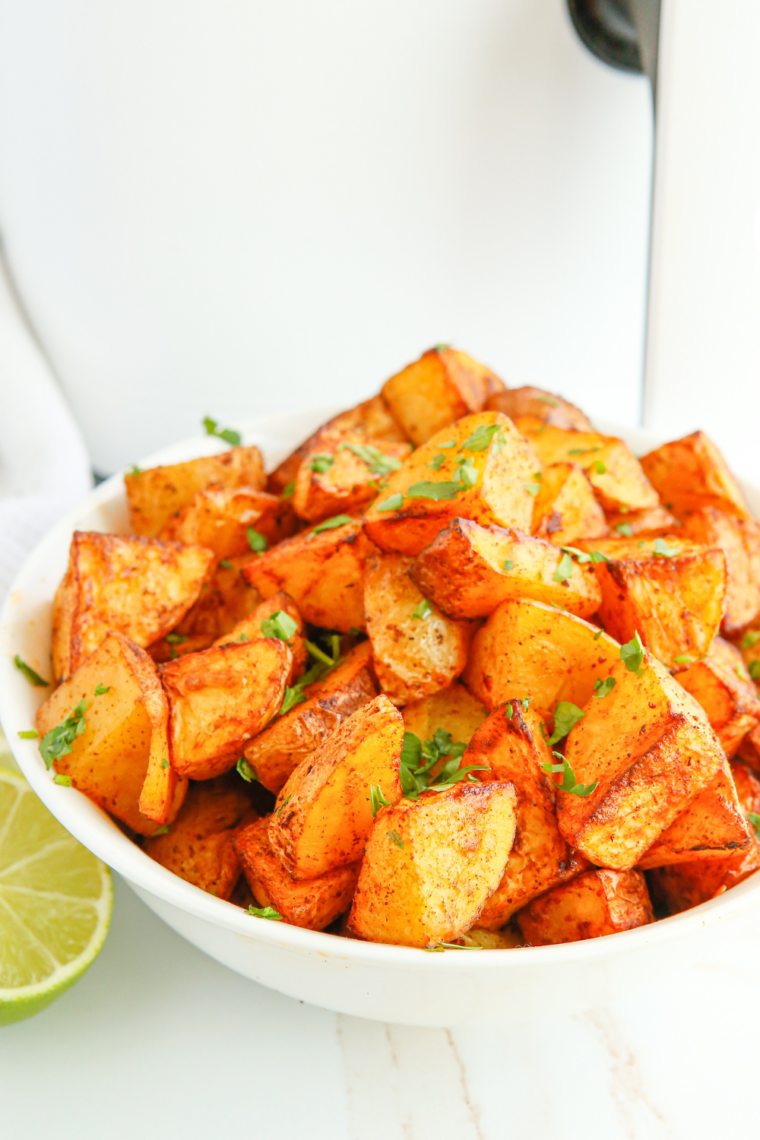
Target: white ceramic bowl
388,983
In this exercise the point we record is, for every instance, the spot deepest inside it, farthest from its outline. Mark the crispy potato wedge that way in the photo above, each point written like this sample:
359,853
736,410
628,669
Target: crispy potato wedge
324,814
312,903
200,845
593,904
343,474
417,650
511,746
479,468
255,627
749,750
690,473
440,387
722,686
120,759
739,539
220,518
432,863
322,570
540,405
565,508
711,826
454,710
468,569
136,586
370,419
674,599
635,524
648,749
220,699
613,471
157,494
527,649
277,751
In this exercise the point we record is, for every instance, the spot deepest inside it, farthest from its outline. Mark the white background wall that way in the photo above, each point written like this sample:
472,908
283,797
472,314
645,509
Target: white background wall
236,206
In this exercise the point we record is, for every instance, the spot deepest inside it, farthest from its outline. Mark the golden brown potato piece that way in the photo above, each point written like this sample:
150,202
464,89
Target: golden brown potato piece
565,508
440,387
511,746
712,826
739,539
479,468
432,863
220,699
123,750
527,649
468,569
668,589
721,684
612,469
370,419
159,493
590,906
277,751
647,750
454,710
636,524
264,622
313,903
417,650
322,570
136,586
544,406
344,473
222,518
690,473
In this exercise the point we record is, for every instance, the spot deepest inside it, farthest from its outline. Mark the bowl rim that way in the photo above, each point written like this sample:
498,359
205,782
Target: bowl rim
98,832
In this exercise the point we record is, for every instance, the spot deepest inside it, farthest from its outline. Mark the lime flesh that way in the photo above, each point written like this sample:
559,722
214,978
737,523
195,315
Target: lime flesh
55,904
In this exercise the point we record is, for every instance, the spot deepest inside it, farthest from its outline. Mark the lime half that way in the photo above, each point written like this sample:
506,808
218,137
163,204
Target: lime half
55,904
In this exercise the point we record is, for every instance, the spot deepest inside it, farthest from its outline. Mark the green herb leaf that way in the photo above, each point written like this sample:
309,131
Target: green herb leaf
625,529
59,741
293,696
288,489
393,503
662,550
225,565
754,819
32,677
481,438
564,570
284,804
229,436
256,541
684,659
603,687
378,462
597,635
754,670
599,467
64,781
584,450
321,462
548,400
176,638
440,348
437,462
568,784
134,470
165,763
583,557
532,488
566,715
377,799
423,610
508,565
265,912
448,443
245,770
333,523
164,830
466,473
435,491
279,625
750,639
101,689
632,655
28,734
396,838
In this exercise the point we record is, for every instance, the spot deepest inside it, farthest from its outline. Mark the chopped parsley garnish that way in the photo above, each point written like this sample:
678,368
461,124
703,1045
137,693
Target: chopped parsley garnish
173,639
418,759
740,673
597,635
548,400
323,665
440,348
378,462
333,523
284,804
568,778
684,659
29,734
377,799
64,781
437,462
583,450
227,434
467,473
754,819
448,443
288,489
265,912
566,716
321,462
101,689
583,557
396,838
599,467
662,550
625,529
59,741
256,540
393,503
751,638
245,770
134,470
603,687
632,655
423,610
508,565
225,564
32,677
279,625
293,696
481,438
754,670
532,488
165,763
164,830
435,491
564,570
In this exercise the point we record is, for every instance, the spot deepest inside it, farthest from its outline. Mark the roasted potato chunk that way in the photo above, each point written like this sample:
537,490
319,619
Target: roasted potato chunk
115,715
136,586
739,539
565,507
313,903
440,387
647,749
511,746
432,863
544,406
613,471
669,590
370,419
690,473
159,493
200,845
454,710
322,570
222,519
594,904
343,474
277,751
527,649
416,649
722,686
324,811
267,621
479,468
635,524
220,699
468,569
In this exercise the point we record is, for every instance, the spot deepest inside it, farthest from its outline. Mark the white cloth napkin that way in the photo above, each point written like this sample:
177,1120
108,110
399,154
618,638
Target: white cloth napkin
44,466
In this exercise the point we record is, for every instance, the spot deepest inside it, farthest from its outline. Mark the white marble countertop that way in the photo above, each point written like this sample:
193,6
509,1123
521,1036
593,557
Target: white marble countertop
159,1041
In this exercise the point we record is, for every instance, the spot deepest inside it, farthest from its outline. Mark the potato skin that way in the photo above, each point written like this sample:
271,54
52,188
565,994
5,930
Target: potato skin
349,485
596,903
159,493
311,903
431,863
690,473
566,509
287,741
721,685
413,656
544,406
323,813
462,571
739,539
136,586
219,517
